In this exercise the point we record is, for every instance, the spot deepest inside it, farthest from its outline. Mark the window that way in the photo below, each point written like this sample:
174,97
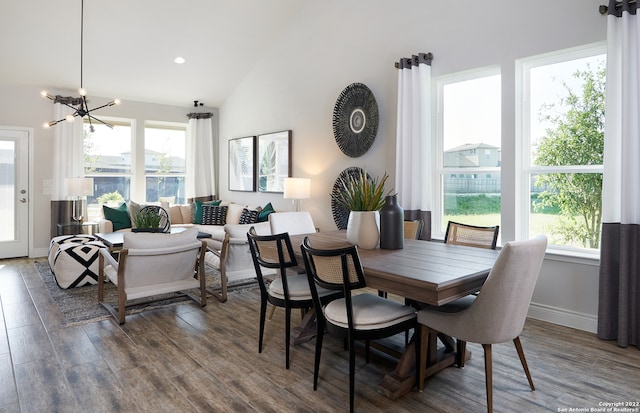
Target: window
469,123
116,167
165,166
107,159
562,146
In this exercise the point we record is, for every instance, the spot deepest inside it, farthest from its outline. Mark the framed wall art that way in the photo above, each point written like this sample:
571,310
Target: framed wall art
242,166
274,160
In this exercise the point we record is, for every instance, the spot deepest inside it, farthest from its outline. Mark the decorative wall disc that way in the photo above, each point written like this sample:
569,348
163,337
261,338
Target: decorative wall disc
355,119
340,213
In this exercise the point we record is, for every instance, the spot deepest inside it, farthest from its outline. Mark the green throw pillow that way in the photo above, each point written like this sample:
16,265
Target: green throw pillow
264,212
119,216
197,215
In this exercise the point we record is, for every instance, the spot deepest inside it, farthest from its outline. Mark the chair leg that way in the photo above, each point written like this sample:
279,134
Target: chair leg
418,348
121,312
287,334
352,373
461,349
523,360
263,312
223,287
271,311
100,278
406,337
121,300
488,371
316,367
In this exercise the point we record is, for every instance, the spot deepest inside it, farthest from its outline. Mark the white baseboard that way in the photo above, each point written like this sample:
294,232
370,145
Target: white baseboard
564,317
39,252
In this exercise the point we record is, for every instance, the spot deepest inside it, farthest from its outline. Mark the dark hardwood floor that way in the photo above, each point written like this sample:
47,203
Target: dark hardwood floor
187,359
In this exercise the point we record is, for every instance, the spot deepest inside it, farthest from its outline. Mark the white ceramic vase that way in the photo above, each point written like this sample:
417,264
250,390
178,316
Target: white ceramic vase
363,229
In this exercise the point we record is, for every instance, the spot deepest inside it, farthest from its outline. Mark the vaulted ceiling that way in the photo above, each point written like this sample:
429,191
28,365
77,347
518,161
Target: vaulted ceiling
130,46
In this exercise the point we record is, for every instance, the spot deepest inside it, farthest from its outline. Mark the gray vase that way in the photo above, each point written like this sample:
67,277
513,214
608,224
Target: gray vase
391,224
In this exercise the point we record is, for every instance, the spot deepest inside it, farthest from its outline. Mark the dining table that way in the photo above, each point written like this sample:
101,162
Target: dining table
424,272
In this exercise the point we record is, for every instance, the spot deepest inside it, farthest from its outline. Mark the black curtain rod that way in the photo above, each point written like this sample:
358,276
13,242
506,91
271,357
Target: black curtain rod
420,58
200,115
604,9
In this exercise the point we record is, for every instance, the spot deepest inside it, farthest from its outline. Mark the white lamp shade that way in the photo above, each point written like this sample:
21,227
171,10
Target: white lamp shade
79,186
297,188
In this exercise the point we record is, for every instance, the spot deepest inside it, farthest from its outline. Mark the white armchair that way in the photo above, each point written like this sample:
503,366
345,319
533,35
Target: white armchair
151,264
234,259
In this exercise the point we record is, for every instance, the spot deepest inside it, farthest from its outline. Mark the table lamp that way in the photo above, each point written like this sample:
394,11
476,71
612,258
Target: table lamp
76,189
297,189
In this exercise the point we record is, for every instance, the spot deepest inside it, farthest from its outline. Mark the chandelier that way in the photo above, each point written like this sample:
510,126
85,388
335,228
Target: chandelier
79,105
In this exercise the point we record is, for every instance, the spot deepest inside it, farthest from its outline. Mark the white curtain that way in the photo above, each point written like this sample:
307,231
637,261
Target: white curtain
619,292
413,139
68,154
200,181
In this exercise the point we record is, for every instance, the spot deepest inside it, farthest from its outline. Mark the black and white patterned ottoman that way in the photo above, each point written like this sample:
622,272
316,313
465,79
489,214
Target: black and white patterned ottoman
73,260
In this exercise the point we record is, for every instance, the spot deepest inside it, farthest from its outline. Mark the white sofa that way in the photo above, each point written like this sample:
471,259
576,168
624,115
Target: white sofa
181,216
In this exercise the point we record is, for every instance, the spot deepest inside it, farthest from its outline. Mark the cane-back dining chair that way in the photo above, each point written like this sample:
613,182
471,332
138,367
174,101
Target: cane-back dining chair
413,229
498,313
359,316
288,289
471,235
293,223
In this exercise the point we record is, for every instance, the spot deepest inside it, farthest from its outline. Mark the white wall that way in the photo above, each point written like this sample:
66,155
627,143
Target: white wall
24,107
334,43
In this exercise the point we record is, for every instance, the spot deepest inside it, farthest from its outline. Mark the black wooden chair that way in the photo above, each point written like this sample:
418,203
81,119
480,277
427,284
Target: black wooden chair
288,289
361,316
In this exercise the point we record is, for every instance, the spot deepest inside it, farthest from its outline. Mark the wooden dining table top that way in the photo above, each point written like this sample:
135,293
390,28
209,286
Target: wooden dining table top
430,272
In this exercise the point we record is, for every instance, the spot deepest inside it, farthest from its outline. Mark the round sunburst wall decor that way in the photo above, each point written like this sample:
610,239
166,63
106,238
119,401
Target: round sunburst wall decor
355,120
341,213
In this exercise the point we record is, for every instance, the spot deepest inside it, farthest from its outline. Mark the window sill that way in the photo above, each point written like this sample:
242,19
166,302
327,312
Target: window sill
573,256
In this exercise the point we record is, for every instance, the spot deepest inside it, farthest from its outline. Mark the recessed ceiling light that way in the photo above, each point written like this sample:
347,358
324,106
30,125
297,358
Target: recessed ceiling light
179,60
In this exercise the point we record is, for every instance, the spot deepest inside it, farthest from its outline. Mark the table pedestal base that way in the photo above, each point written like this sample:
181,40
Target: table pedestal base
306,330
400,381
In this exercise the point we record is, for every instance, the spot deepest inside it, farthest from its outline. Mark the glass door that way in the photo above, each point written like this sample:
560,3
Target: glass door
14,196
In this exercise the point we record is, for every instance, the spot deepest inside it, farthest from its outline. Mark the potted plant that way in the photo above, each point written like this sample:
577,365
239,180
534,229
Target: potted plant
364,197
147,220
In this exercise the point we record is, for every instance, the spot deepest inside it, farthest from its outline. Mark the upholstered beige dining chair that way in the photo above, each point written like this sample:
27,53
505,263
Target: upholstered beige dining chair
151,264
288,289
470,236
497,314
356,316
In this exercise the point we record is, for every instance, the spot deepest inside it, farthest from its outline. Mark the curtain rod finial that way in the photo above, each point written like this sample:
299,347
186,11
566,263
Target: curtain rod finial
603,9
